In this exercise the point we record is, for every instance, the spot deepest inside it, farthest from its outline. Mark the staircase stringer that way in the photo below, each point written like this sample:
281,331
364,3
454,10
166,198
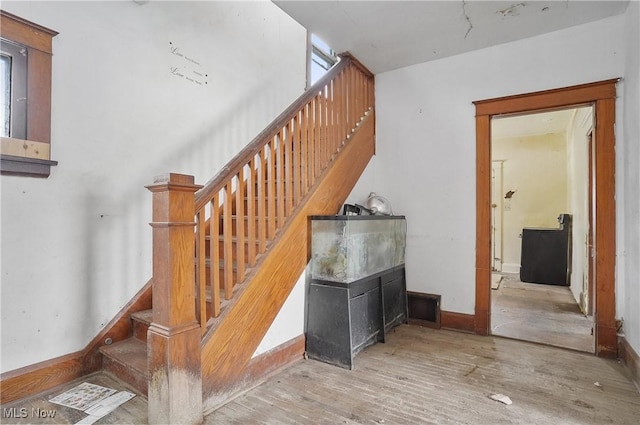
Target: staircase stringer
234,336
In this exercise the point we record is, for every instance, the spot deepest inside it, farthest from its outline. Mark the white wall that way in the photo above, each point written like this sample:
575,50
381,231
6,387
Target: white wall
289,322
425,162
535,168
578,201
628,184
76,246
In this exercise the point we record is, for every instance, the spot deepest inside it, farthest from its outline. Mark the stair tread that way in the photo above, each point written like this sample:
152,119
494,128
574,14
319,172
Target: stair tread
129,352
144,316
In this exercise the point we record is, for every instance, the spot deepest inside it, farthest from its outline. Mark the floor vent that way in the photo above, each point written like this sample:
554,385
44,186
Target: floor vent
424,309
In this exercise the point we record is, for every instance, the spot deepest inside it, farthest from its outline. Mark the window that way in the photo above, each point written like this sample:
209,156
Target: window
5,73
14,90
322,58
25,74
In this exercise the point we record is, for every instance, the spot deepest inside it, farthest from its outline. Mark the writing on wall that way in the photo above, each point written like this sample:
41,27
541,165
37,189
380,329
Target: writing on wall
186,66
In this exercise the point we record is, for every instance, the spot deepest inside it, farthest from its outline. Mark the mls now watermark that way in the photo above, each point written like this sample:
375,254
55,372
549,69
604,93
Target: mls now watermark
23,412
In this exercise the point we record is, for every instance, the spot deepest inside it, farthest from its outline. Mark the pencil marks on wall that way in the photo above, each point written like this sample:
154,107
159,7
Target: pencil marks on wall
186,66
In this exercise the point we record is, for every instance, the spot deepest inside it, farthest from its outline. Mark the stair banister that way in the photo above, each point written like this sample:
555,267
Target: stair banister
215,184
271,175
260,192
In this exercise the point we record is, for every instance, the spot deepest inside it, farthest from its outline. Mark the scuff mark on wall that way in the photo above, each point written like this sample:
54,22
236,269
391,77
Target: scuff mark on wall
513,10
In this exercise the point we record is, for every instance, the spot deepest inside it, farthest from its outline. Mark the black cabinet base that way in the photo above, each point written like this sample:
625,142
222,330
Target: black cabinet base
345,318
546,254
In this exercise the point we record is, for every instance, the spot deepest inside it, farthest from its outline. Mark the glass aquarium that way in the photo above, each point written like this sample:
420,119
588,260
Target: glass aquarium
347,248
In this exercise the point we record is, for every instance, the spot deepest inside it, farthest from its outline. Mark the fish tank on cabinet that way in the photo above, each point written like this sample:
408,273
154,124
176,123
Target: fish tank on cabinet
348,248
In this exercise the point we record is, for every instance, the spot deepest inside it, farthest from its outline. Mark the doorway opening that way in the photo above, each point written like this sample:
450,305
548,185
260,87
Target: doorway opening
601,95
540,227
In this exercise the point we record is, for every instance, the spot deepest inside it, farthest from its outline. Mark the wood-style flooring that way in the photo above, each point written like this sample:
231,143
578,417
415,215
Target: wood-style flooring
38,409
545,314
427,376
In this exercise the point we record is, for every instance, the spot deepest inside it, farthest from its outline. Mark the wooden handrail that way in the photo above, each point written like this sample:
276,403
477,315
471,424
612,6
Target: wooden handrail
215,184
240,210
237,217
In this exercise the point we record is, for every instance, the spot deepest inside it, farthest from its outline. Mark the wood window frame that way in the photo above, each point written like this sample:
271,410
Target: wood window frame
31,156
601,95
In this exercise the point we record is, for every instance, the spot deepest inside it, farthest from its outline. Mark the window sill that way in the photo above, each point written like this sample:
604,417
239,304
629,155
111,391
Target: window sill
29,167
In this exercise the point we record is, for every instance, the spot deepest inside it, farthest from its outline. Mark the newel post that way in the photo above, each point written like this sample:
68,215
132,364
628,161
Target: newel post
173,340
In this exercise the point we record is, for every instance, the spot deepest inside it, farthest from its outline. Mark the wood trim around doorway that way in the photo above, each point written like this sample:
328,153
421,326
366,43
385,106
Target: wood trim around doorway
602,96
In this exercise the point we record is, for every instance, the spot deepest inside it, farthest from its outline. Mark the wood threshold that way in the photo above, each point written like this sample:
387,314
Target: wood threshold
602,96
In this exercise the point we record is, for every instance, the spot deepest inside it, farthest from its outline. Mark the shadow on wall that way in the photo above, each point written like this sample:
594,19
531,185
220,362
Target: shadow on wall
126,233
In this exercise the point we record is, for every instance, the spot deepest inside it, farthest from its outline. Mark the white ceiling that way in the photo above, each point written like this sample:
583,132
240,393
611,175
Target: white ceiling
532,124
386,35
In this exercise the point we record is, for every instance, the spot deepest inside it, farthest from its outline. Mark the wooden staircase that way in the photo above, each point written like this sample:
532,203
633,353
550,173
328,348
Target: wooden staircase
251,245
127,359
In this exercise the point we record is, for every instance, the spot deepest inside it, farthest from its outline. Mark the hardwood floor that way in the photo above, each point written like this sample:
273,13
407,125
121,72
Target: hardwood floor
545,314
428,376
38,409
422,376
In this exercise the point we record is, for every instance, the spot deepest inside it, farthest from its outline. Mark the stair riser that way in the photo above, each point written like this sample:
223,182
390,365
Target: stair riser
140,330
256,203
266,185
221,274
246,205
234,227
126,374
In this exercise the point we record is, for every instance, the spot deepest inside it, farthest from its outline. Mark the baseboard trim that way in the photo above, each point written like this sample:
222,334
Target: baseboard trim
510,268
118,329
631,359
32,379
259,369
457,321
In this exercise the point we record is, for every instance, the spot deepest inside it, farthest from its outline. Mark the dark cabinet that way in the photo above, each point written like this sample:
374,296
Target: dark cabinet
343,319
394,299
357,292
546,254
